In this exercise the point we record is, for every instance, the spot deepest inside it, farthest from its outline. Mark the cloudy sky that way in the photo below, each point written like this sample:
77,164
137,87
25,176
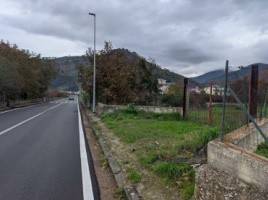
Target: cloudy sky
186,36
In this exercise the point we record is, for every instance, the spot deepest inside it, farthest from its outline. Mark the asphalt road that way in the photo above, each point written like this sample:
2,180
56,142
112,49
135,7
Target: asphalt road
40,154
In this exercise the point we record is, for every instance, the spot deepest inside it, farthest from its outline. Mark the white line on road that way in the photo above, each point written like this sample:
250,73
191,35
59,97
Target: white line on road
29,119
86,178
7,111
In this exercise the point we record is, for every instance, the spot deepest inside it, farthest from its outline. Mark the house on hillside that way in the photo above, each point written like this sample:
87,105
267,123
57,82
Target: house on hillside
216,90
195,89
163,85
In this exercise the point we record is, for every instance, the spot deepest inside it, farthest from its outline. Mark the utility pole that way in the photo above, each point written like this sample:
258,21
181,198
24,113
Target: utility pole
94,65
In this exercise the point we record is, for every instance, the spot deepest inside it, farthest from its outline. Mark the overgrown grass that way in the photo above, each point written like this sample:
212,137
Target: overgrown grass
262,150
120,194
160,140
133,127
134,176
234,116
174,172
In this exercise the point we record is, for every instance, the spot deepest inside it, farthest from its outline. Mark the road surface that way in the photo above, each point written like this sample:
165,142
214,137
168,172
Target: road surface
43,154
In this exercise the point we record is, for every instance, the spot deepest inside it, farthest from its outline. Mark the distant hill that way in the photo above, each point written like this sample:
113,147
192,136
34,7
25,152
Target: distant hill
67,72
210,76
218,76
157,70
67,76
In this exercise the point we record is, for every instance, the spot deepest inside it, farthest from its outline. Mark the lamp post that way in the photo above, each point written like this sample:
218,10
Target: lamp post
94,65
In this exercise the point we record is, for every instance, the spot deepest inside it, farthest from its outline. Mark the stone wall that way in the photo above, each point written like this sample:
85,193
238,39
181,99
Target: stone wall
101,108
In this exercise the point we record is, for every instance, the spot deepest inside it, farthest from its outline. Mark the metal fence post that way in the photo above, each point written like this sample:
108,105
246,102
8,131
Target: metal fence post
210,120
224,99
264,105
185,106
253,91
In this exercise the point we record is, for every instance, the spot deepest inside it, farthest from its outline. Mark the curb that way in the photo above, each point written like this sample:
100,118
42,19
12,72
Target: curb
116,169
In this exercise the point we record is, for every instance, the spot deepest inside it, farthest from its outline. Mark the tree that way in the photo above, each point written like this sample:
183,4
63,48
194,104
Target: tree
23,74
174,95
120,79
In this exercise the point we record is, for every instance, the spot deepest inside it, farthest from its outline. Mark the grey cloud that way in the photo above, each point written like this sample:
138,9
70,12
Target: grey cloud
187,36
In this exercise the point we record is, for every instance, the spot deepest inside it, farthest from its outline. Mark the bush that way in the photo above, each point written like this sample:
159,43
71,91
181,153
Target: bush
134,176
85,97
262,150
171,100
183,174
172,170
131,109
149,159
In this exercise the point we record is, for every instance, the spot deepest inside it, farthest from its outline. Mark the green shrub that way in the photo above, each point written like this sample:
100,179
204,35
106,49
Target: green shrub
134,176
187,189
131,109
172,170
262,150
148,159
183,174
85,97
120,194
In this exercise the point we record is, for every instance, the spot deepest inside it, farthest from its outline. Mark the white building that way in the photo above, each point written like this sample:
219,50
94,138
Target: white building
195,89
163,85
216,90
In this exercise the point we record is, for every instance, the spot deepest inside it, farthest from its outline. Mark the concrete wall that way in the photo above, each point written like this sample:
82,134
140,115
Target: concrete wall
247,136
101,108
247,166
233,170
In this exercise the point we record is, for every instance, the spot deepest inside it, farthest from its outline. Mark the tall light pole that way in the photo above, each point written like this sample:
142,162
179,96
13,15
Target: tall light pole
94,65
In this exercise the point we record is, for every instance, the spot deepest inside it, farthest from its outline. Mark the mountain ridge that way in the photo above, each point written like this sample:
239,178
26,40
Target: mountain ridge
67,69
217,76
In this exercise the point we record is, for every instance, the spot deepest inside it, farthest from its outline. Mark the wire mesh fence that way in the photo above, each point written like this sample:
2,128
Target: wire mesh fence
205,102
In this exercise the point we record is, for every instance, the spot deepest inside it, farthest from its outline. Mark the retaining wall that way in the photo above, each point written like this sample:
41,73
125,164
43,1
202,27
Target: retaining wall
247,166
239,171
247,136
101,108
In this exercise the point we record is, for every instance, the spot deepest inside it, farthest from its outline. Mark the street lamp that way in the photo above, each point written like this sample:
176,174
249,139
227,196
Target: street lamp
94,65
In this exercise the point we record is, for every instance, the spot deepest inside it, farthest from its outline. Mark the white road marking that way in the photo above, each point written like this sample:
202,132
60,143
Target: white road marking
29,119
7,111
86,178
25,107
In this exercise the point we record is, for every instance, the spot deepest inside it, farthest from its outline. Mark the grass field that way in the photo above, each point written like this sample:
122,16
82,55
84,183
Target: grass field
234,117
163,143
262,150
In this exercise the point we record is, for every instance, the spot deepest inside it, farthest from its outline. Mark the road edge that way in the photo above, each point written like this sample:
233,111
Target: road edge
131,192
89,180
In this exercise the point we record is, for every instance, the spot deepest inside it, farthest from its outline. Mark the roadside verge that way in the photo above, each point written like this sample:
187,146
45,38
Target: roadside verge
116,170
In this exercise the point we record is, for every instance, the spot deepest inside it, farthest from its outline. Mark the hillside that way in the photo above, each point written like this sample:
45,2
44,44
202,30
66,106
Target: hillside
157,70
67,72
218,75
210,76
67,76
